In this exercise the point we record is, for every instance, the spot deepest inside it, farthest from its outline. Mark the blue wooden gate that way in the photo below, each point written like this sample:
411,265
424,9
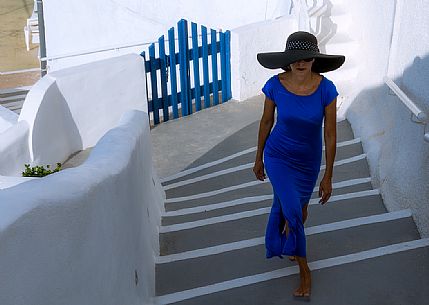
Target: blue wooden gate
197,91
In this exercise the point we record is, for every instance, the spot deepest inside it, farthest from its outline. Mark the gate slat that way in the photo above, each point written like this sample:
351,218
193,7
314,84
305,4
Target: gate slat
223,66
205,66
196,66
173,75
183,64
163,68
214,67
228,63
154,85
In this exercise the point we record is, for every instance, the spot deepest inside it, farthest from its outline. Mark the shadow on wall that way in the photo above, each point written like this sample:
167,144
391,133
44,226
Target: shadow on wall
397,153
415,82
323,27
63,137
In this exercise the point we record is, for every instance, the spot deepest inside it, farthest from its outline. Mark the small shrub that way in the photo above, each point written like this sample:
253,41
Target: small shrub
39,171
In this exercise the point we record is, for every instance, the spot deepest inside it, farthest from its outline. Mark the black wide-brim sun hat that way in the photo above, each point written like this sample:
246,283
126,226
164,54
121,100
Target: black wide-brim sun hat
301,45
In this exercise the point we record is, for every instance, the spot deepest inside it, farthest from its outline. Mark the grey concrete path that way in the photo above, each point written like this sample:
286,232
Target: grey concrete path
13,53
178,143
13,99
18,67
212,233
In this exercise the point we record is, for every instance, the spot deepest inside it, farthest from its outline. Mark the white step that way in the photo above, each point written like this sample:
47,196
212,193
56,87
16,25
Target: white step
267,276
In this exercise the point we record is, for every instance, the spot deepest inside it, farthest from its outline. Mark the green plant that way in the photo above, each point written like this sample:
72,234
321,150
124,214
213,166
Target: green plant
39,171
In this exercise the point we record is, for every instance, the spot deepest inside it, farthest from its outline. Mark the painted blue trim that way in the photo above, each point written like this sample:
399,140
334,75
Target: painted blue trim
163,64
205,55
183,65
223,66
183,58
214,67
173,74
228,63
154,85
196,66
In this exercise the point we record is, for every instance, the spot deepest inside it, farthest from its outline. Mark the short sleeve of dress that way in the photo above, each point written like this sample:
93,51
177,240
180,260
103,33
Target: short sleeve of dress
330,93
268,89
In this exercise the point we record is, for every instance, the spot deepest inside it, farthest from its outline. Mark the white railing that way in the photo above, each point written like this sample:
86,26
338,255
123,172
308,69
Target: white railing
421,117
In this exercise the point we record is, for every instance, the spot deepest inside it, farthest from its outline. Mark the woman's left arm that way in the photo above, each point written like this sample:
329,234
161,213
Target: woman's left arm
330,134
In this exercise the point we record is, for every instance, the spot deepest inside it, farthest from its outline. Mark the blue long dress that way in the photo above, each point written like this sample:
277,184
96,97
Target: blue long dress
292,158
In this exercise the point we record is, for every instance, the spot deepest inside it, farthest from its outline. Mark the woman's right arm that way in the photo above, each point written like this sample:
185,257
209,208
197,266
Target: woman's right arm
265,126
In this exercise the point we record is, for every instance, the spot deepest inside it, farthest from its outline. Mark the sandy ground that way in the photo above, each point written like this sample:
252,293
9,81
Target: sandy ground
13,53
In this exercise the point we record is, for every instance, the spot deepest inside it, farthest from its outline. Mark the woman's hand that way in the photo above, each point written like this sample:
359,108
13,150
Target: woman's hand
325,189
258,169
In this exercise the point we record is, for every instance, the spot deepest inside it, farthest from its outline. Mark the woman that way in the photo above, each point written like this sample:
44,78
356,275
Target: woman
291,153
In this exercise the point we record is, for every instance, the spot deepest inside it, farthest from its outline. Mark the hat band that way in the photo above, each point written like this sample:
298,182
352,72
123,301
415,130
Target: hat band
301,45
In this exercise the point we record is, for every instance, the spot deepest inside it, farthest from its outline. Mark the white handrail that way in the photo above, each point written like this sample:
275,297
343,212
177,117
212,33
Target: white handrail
420,115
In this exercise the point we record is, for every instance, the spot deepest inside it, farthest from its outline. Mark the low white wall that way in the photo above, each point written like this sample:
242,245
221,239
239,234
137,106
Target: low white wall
79,236
80,26
7,118
247,75
397,153
14,152
69,110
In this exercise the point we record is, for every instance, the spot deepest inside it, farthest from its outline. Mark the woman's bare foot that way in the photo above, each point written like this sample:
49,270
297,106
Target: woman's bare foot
304,289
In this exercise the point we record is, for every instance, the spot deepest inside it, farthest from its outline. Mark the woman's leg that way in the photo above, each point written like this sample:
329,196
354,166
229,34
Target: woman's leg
304,213
304,289
304,218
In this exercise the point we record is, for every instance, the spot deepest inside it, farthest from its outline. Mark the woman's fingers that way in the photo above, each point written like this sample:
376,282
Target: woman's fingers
325,195
258,169
325,190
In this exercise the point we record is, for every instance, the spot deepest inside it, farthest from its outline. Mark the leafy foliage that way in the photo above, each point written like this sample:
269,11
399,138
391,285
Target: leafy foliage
39,171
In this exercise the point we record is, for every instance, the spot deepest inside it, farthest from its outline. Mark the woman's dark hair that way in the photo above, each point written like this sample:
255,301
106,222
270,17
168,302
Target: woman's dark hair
287,68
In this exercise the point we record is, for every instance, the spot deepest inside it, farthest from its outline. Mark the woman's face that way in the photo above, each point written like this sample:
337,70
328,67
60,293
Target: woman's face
302,66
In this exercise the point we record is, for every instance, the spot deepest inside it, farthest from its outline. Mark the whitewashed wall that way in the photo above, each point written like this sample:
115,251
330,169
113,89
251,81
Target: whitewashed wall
247,75
14,150
394,42
69,110
80,26
7,118
80,236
